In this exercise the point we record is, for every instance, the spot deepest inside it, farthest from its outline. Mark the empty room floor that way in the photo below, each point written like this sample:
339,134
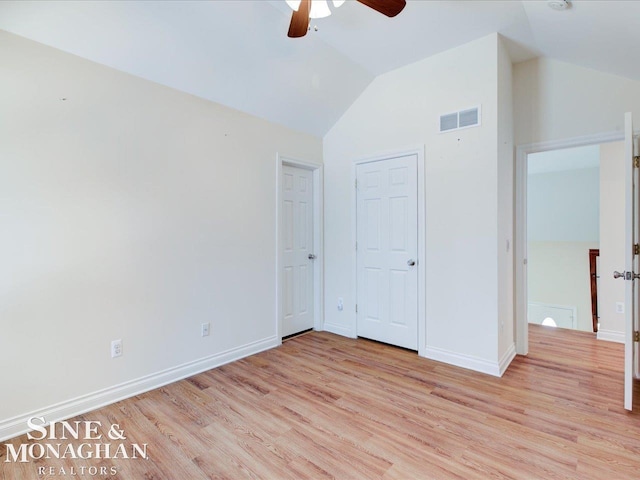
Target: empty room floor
324,406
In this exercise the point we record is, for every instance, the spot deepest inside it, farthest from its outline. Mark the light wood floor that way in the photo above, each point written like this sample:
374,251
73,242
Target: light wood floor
323,406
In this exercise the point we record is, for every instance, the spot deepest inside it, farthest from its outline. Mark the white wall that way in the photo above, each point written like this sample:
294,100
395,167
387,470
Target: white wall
564,206
555,100
612,243
401,109
129,211
559,275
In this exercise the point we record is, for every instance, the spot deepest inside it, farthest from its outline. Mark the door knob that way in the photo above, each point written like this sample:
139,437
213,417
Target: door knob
311,256
411,262
617,274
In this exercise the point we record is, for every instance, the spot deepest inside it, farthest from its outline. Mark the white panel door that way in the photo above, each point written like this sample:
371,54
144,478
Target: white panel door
387,246
630,263
298,253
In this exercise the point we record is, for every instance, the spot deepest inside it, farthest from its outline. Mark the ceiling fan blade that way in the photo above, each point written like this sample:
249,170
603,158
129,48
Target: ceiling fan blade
390,8
300,20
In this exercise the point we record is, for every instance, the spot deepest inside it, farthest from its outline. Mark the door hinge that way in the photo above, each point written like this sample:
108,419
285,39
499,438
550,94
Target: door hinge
356,308
356,245
636,248
636,336
356,183
636,161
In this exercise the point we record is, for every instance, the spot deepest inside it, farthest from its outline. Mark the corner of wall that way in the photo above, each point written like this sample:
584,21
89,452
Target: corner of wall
506,359
506,203
469,362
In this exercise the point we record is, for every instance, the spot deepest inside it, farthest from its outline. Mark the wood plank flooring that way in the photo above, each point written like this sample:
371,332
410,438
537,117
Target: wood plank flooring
324,406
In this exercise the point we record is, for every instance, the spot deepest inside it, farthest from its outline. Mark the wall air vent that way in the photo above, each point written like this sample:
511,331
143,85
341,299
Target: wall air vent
466,118
449,122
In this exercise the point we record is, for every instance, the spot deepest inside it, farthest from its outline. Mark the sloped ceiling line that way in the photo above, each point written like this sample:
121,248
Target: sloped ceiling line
237,53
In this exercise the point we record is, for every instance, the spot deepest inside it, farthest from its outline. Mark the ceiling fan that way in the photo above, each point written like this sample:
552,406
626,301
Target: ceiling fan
300,17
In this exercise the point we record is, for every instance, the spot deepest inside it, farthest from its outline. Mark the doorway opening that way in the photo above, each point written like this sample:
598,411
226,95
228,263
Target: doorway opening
563,226
522,253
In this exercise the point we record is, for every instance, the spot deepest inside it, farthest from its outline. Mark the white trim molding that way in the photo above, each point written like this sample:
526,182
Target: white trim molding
15,426
469,362
506,359
339,330
610,336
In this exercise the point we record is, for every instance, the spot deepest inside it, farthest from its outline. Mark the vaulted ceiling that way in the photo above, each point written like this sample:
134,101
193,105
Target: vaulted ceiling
237,53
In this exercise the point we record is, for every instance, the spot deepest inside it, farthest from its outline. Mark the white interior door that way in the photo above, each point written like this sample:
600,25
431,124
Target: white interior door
387,241
631,262
298,250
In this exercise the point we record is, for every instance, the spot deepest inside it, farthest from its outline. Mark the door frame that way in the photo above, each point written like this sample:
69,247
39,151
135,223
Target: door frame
318,236
421,260
522,152
594,253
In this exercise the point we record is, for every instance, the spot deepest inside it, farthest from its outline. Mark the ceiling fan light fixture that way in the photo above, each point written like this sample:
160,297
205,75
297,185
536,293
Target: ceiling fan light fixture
319,8
293,4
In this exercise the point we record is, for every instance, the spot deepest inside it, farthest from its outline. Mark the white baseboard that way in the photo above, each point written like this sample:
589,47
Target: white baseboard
506,359
611,336
464,361
15,426
339,330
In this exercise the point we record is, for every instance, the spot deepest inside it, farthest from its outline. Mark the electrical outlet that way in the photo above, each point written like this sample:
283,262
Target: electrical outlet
619,307
116,348
340,303
204,329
